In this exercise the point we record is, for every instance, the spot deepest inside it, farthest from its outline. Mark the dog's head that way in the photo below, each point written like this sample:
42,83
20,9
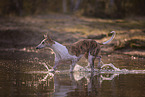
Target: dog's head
46,42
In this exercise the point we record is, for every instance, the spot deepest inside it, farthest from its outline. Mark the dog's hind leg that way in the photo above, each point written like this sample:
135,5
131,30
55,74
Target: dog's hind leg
91,60
99,63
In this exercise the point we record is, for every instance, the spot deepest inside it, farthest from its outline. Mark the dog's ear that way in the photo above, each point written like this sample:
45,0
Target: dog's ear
45,36
48,37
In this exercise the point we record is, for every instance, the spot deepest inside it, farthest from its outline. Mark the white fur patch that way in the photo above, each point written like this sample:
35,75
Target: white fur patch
61,52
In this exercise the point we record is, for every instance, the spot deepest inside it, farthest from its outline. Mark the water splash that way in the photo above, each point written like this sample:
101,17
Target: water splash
105,68
110,65
110,68
45,66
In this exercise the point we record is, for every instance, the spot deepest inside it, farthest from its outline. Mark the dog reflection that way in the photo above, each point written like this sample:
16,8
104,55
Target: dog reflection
79,83
92,85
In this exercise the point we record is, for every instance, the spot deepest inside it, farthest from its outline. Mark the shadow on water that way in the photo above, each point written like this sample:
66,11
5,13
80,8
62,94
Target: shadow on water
23,74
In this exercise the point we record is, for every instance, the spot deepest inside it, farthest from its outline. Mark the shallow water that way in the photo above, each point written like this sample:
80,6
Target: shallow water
24,75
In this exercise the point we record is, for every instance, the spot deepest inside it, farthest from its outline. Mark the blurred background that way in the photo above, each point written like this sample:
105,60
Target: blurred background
93,8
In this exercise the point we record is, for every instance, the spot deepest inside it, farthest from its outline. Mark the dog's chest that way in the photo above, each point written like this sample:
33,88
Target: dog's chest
61,52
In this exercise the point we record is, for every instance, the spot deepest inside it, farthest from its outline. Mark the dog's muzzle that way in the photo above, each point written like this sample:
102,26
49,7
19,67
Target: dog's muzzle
39,47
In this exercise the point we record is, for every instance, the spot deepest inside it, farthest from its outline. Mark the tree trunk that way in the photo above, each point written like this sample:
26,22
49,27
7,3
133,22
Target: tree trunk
19,7
77,4
64,4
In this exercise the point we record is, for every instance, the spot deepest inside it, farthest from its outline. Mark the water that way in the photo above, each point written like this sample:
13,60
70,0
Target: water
23,74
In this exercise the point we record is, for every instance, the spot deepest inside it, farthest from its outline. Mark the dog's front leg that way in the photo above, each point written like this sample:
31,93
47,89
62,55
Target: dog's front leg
55,65
57,59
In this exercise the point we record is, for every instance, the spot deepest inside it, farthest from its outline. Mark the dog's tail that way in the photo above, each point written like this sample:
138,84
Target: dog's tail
109,39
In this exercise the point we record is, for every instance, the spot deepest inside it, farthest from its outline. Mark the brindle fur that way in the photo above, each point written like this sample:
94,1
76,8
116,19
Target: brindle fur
84,46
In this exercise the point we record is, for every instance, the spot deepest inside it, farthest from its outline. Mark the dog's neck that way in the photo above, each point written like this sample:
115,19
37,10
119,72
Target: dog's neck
59,48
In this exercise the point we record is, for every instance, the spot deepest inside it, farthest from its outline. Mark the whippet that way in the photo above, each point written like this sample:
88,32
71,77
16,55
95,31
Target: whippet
73,52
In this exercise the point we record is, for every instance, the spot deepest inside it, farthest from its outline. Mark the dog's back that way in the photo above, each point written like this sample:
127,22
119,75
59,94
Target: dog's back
84,46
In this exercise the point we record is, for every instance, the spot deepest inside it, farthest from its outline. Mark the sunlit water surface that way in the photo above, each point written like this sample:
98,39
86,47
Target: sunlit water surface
22,74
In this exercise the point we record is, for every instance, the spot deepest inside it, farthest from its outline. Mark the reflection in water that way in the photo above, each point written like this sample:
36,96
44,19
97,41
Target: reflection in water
67,83
61,84
74,84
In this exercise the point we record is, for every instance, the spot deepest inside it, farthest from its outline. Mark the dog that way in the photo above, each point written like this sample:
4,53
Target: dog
73,52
